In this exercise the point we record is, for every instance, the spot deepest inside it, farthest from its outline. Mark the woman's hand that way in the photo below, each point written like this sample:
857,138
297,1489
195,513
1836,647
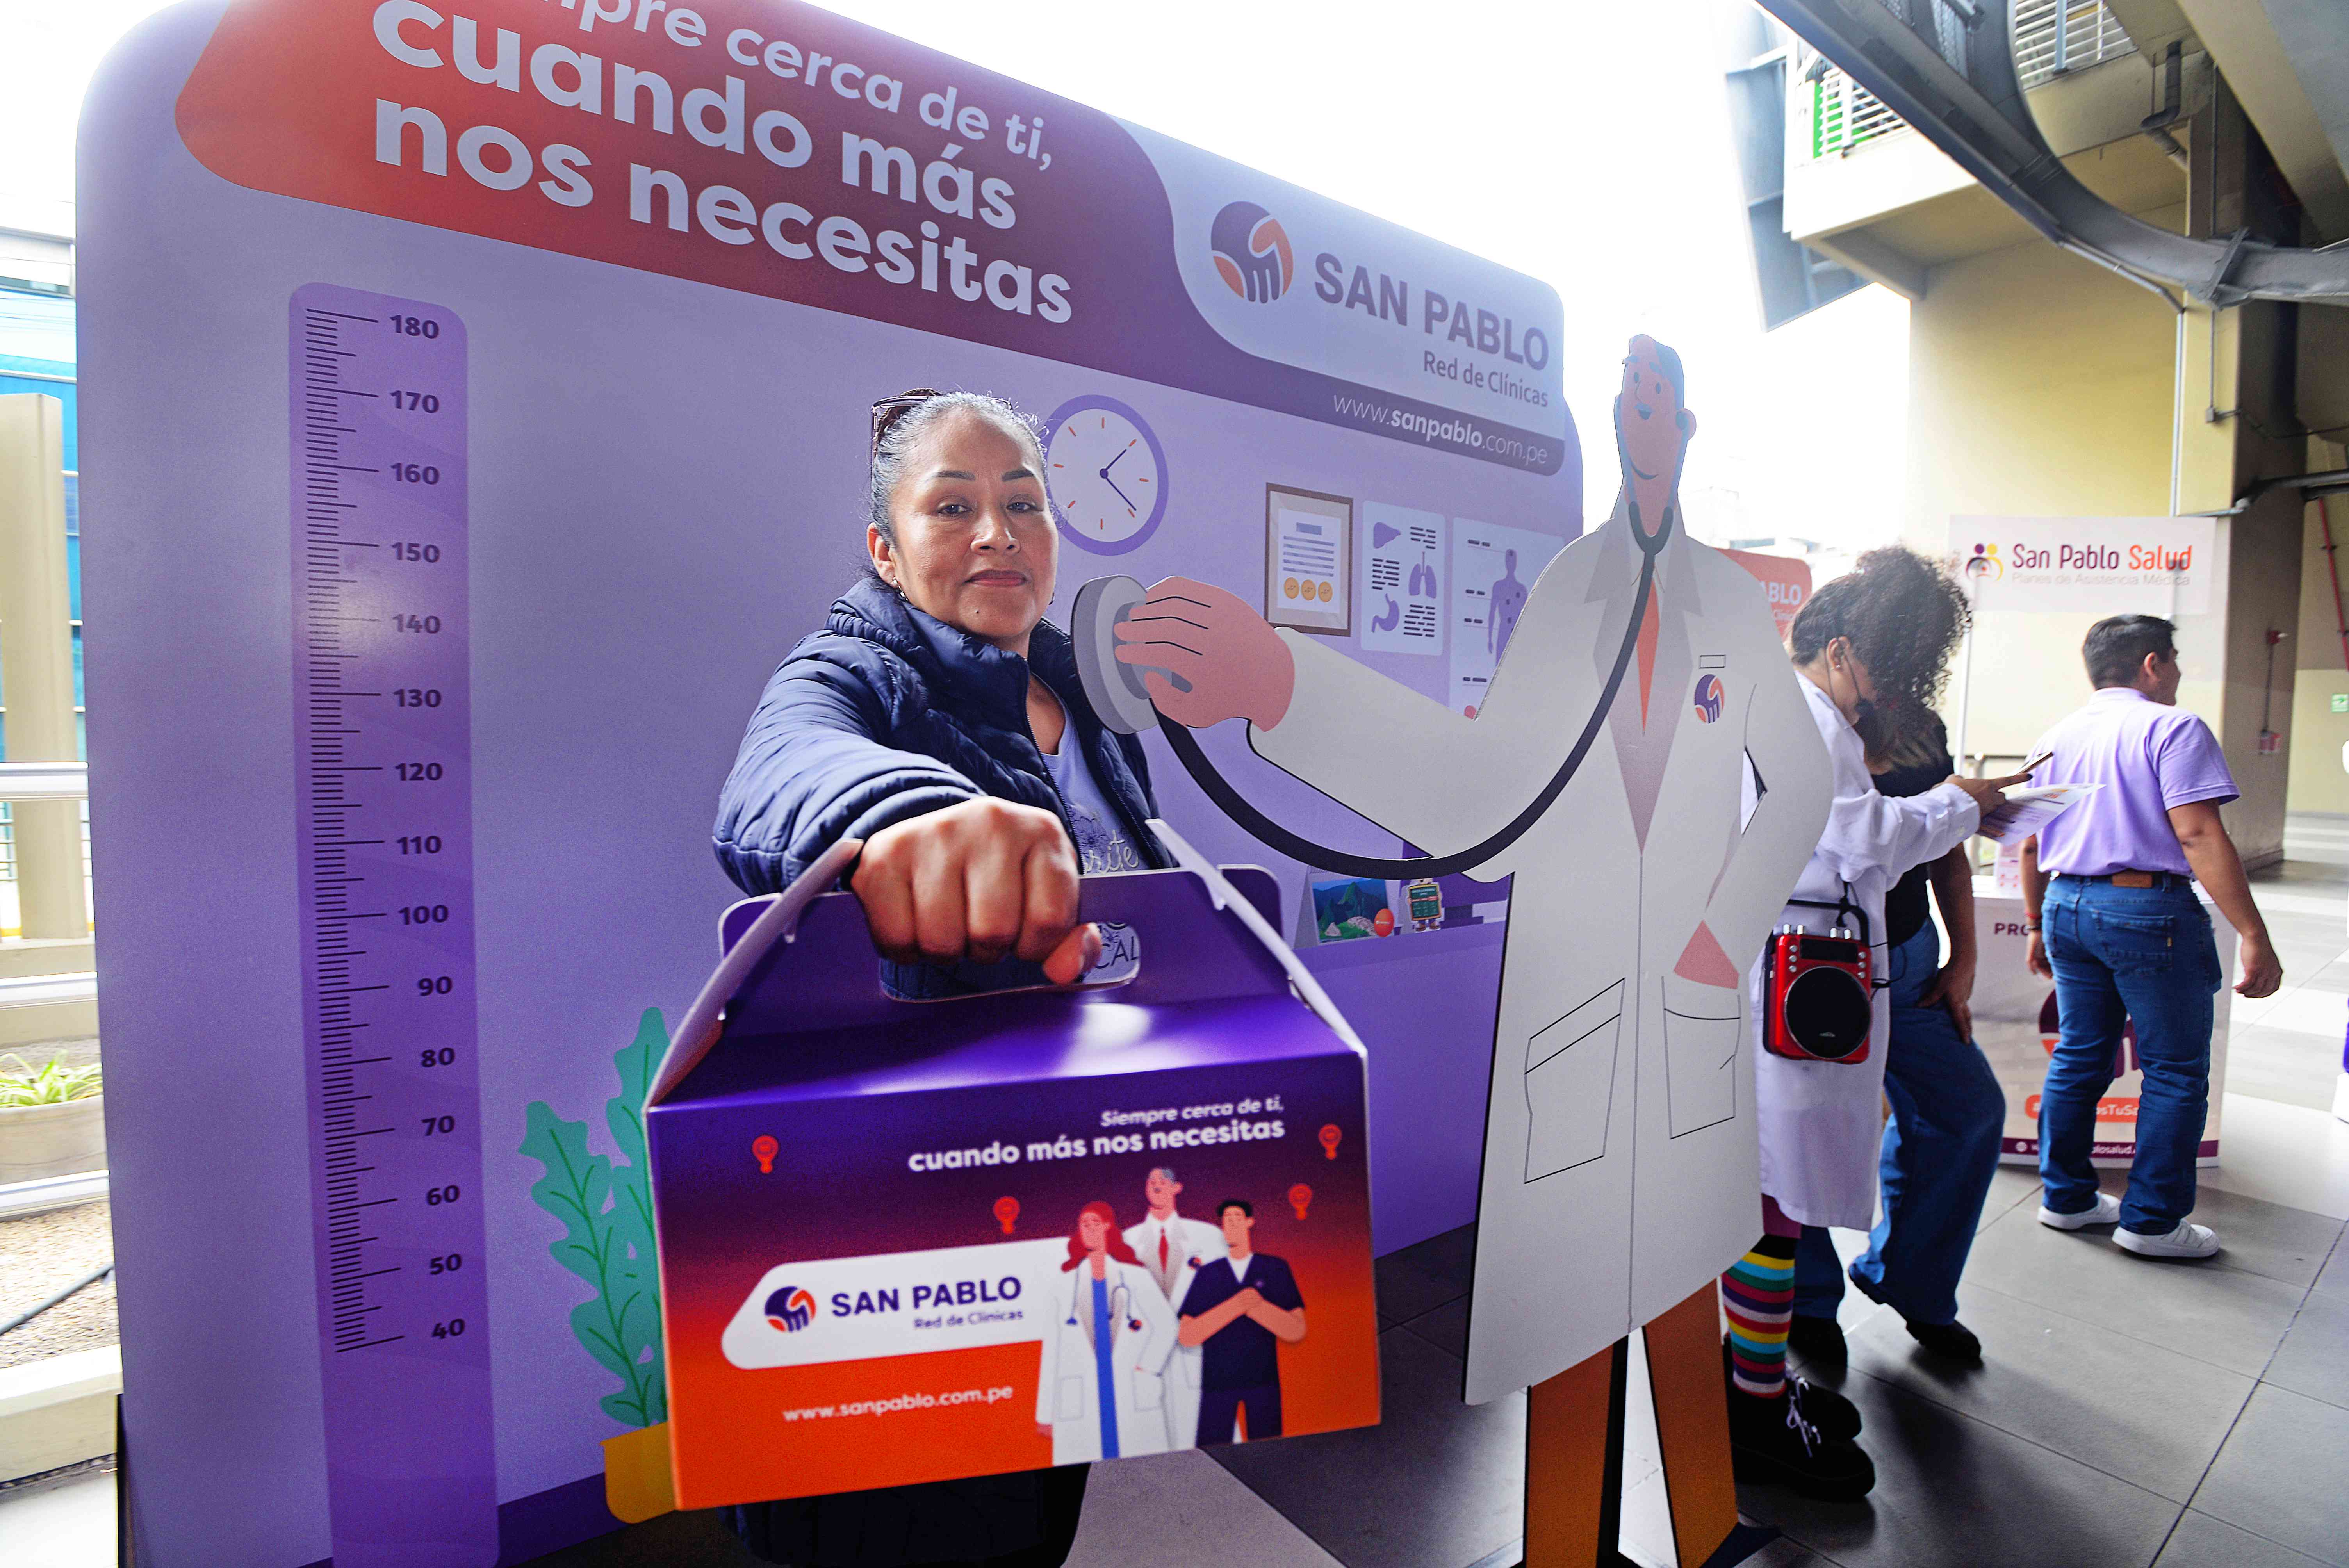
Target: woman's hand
1232,662
983,881
1953,987
1989,794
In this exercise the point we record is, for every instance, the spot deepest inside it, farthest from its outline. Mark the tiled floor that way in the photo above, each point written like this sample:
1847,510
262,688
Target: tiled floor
2128,1413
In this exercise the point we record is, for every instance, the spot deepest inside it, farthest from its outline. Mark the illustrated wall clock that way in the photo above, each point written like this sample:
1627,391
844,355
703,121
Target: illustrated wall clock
1106,474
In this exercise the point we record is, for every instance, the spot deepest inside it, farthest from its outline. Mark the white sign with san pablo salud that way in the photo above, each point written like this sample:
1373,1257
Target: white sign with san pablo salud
2109,565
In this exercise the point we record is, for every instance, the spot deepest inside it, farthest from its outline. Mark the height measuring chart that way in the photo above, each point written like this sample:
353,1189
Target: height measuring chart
383,754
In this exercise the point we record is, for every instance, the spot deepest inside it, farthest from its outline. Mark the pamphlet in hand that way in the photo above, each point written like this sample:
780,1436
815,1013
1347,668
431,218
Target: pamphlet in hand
2028,811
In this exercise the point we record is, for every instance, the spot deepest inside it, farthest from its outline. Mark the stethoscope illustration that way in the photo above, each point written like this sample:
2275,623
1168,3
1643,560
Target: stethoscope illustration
1118,694
1120,1302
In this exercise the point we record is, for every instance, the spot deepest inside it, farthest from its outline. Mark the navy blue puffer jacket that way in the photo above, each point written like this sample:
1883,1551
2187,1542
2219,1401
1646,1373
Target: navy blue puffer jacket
889,713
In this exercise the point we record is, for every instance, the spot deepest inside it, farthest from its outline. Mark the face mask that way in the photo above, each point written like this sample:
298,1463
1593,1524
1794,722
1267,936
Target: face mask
1863,710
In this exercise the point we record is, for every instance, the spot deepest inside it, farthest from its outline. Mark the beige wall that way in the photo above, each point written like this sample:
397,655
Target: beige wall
2041,386
2264,559
2263,562
2319,783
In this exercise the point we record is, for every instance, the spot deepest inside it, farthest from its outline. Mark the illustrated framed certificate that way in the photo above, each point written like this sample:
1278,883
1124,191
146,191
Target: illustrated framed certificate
1309,561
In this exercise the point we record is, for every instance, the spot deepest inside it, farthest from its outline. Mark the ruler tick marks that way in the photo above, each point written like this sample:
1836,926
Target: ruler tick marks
403,1310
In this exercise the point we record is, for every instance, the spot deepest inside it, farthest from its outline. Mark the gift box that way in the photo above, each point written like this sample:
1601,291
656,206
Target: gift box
907,1242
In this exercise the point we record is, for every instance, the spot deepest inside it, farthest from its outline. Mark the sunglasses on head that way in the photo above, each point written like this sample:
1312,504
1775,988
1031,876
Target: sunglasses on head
887,411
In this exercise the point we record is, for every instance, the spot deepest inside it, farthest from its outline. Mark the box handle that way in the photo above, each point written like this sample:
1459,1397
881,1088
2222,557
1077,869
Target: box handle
1206,939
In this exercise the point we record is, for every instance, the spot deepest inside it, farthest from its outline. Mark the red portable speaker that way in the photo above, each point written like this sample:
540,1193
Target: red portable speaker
1818,991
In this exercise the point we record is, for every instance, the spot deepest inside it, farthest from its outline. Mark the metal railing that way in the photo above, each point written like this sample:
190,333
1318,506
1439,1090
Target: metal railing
1844,115
40,782
8,842
2051,37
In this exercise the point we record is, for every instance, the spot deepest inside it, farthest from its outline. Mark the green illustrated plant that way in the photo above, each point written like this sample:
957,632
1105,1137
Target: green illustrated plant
605,1204
51,1083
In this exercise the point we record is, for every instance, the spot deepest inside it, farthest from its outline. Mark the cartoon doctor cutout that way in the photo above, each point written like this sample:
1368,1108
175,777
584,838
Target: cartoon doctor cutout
1100,1391
1619,1153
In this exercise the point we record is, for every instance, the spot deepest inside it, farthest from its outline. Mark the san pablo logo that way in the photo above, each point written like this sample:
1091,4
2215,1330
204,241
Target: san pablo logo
789,1308
1709,698
1252,252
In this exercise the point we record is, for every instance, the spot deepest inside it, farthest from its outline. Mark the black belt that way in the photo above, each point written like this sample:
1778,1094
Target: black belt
2152,878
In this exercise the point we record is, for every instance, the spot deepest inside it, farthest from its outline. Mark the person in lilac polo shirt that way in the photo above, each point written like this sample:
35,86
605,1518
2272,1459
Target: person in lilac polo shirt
2108,888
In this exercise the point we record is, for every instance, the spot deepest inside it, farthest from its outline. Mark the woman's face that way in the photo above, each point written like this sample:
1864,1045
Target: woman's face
1853,690
1092,1232
976,545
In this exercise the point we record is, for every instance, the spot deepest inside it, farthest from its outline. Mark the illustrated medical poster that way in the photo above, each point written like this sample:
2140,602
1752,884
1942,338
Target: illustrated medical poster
1492,572
1308,545
477,405
1402,574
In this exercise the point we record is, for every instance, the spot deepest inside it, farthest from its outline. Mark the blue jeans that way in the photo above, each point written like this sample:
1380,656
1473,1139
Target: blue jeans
2140,957
1940,1148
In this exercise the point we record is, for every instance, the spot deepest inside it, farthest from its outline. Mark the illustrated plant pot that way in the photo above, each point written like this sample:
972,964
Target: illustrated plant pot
637,1485
64,1140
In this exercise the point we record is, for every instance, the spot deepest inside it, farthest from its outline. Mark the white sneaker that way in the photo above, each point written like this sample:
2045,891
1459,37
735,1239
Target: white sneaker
2107,1212
2188,1241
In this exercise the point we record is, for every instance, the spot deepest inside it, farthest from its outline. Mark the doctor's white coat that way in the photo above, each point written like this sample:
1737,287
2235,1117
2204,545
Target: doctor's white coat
1068,1390
1620,1160
1196,1244
1822,1121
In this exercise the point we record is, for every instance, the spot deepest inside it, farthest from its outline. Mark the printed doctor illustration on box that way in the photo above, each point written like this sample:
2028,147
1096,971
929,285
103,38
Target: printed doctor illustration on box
963,1251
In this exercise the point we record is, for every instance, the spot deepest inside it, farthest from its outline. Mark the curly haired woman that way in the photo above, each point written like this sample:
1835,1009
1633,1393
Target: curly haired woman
1870,646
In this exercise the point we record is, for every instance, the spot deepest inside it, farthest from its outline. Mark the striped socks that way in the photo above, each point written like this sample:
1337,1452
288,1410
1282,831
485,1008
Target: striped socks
1759,1292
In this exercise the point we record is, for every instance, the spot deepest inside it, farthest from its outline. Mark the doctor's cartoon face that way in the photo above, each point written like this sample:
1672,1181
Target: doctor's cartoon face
1097,1239
1161,1190
1652,425
1238,1221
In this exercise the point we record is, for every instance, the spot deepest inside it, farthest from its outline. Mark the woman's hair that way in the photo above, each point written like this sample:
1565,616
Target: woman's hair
1113,1238
904,431
1903,616
1905,738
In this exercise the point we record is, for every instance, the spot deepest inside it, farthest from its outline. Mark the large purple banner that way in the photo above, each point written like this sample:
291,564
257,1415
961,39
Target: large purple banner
639,444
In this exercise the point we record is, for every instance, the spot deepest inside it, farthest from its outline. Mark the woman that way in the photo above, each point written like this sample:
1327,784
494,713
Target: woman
1880,637
1101,1394
1941,1143
938,720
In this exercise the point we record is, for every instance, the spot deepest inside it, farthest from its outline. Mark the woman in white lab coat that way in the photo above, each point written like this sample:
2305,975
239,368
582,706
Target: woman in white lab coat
1873,642
1101,1392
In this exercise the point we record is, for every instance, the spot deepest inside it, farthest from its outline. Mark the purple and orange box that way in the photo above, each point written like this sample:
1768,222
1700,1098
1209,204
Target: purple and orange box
894,1235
